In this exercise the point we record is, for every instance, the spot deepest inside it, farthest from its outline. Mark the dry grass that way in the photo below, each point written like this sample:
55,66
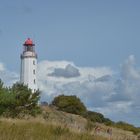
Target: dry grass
57,125
34,130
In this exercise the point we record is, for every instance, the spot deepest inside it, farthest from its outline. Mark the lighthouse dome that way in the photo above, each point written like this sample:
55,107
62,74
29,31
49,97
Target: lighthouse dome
28,42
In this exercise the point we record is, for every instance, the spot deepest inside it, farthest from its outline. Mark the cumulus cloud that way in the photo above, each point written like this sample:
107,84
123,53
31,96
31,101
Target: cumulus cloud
68,72
129,71
2,68
92,85
98,87
103,78
127,87
7,76
125,96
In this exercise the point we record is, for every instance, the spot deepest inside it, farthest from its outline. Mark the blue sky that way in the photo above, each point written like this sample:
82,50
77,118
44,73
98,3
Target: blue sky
90,33
97,37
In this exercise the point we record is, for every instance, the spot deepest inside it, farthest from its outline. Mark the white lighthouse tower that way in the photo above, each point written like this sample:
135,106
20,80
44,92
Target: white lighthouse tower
29,65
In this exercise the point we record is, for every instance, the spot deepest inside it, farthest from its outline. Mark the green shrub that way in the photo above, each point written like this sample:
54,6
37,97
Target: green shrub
70,104
18,100
97,117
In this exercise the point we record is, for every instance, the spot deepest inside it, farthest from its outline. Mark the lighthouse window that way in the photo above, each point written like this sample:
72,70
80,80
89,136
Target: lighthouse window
33,62
33,71
34,81
30,48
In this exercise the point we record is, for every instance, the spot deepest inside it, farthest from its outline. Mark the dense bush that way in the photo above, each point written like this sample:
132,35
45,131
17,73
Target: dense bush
128,127
18,100
94,116
97,117
70,104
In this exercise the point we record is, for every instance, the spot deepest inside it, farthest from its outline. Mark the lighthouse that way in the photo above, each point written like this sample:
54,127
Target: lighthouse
29,65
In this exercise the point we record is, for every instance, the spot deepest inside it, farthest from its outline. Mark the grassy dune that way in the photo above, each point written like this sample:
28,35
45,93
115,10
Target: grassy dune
36,130
57,125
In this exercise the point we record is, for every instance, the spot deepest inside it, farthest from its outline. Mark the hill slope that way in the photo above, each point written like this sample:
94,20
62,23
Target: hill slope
57,125
79,124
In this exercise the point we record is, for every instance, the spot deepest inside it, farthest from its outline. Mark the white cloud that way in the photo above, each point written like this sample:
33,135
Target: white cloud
68,72
99,88
92,83
7,76
129,71
128,85
2,67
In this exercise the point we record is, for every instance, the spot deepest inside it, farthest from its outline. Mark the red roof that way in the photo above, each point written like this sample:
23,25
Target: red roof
28,42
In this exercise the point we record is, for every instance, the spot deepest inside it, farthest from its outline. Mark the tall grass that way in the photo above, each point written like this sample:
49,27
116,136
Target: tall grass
33,130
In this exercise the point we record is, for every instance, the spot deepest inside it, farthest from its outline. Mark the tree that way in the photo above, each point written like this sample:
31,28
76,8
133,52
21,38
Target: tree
25,100
70,104
6,98
18,100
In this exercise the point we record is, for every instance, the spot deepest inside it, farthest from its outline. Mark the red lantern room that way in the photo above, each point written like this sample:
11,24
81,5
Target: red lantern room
29,45
28,42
